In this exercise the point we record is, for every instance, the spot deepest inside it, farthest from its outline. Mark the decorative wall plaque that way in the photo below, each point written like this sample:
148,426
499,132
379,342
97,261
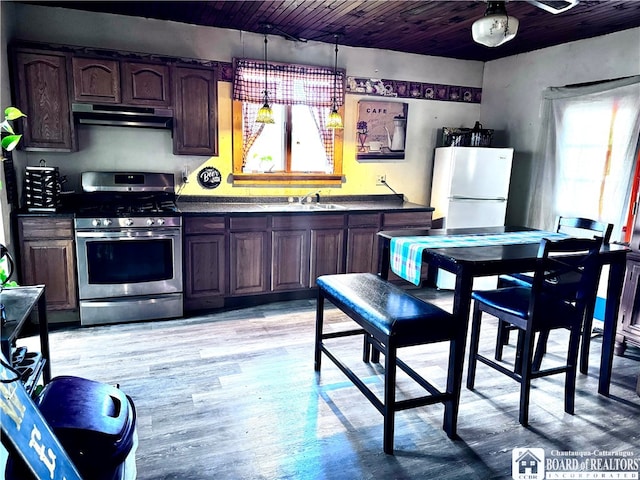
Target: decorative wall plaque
209,177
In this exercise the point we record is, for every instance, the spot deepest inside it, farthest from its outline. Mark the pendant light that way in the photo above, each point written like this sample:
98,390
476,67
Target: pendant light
496,27
335,120
265,114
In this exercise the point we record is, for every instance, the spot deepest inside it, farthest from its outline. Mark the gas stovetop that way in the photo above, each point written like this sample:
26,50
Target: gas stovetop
106,204
126,194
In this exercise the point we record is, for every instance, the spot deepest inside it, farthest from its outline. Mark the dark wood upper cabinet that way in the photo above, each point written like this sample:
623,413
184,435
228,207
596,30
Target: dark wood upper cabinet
195,130
42,89
103,80
47,81
96,80
146,84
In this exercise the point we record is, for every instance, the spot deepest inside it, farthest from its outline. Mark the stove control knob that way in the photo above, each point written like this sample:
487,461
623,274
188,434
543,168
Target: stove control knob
149,221
128,222
95,222
106,222
160,221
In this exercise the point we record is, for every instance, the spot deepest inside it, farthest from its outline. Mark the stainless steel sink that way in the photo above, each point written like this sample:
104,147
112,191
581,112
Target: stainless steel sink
288,207
329,206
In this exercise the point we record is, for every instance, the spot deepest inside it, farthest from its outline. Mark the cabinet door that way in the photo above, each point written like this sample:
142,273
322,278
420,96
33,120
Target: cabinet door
290,255
204,283
42,94
362,250
327,248
145,84
630,304
96,80
195,128
51,263
249,258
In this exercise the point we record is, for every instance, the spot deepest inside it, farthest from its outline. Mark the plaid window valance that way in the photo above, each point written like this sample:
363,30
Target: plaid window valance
287,84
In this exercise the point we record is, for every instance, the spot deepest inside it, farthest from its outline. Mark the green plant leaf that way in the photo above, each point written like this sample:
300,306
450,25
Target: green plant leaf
6,126
12,113
10,142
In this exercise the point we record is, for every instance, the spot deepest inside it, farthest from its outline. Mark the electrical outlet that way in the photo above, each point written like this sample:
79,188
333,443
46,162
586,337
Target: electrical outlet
185,174
381,179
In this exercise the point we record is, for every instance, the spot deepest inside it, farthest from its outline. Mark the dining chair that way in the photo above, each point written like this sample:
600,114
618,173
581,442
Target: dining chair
577,227
538,308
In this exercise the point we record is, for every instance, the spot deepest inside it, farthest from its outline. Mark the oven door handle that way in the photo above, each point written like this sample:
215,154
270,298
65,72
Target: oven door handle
155,234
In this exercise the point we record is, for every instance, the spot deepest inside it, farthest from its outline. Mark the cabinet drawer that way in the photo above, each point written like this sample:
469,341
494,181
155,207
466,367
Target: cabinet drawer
45,228
406,219
307,221
364,220
248,223
203,225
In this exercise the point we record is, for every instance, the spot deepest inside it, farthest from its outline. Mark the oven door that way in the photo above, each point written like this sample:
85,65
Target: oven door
129,263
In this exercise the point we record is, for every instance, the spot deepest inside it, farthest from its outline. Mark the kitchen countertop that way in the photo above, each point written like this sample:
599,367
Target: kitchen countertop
195,208
199,205
270,205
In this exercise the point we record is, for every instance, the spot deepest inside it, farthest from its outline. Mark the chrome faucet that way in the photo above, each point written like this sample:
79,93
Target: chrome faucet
306,197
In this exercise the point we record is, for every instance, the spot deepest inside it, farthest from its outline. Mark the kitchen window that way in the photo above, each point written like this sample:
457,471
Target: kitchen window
588,150
298,147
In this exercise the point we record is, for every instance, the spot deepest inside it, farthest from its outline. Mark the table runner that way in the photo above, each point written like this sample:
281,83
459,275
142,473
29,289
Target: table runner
406,252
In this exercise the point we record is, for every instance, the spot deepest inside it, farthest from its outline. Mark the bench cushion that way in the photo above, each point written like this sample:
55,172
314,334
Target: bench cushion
387,308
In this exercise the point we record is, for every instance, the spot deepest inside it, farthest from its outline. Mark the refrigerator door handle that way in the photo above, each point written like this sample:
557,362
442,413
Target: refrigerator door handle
462,197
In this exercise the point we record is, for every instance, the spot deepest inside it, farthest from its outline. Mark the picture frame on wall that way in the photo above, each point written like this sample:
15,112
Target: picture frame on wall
381,130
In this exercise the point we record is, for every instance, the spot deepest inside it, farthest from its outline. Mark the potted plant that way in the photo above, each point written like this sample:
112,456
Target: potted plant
9,142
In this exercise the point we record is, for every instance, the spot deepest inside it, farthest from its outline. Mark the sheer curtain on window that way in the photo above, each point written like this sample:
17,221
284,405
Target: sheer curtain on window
586,154
287,84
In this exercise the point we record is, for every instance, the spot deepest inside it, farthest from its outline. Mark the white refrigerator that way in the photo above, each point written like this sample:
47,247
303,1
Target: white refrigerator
470,186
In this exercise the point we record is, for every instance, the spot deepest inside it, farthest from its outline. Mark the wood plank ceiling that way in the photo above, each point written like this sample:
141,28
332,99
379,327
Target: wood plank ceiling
441,28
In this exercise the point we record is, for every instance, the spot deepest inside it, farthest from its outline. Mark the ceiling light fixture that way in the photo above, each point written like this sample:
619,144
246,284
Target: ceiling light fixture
335,120
496,27
265,114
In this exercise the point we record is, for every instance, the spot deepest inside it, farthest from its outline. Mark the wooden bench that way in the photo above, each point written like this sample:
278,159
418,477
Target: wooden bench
390,318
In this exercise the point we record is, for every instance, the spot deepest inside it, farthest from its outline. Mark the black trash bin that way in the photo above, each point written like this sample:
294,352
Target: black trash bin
96,425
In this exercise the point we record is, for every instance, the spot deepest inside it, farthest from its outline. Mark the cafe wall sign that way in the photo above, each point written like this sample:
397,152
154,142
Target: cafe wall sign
381,130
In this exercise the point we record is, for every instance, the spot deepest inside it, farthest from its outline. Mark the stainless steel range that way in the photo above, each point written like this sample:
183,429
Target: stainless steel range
129,248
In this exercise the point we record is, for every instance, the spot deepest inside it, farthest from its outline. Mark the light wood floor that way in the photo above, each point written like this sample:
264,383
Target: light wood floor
233,395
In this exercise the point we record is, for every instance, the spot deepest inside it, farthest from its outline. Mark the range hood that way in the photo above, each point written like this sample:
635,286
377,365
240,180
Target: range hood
118,115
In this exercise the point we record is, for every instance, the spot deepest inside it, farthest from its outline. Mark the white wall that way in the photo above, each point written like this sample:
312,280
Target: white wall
513,86
109,147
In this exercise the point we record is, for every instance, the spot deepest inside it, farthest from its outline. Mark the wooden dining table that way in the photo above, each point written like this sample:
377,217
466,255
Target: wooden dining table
489,251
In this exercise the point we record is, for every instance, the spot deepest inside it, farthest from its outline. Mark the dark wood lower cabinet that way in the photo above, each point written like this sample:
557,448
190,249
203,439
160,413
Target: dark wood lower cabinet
629,316
272,255
629,323
327,253
362,250
205,283
249,257
47,257
290,260
362,242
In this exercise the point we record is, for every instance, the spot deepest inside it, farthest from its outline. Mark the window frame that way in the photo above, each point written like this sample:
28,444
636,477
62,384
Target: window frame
240,177
287,178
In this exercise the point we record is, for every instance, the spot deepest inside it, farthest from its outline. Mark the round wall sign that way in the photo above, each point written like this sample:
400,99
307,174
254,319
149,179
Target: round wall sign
209,177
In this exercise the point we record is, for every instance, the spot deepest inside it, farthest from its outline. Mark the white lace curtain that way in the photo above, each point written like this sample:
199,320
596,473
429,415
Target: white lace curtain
586,153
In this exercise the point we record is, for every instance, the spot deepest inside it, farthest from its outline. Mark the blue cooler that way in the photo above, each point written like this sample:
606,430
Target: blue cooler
96,425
